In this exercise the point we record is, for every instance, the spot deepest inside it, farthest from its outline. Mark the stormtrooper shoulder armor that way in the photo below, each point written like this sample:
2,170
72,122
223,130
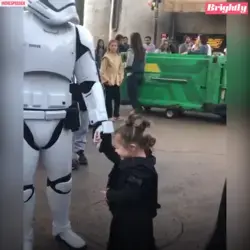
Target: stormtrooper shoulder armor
85,39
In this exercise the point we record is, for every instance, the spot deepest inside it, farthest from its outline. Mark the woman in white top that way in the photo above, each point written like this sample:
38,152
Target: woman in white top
164,47
198,44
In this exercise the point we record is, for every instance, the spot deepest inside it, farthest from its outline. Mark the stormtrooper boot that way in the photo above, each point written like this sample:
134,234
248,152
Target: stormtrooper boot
61,227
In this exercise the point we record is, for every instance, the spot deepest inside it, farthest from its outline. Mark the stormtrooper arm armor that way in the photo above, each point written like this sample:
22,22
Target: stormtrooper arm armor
87,76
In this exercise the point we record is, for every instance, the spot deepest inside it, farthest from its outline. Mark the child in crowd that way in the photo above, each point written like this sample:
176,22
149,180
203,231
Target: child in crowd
132,190
112,74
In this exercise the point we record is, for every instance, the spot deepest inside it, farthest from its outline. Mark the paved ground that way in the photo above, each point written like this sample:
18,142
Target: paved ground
190,160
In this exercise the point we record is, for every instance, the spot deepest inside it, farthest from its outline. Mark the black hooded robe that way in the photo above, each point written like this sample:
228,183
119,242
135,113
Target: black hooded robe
132,199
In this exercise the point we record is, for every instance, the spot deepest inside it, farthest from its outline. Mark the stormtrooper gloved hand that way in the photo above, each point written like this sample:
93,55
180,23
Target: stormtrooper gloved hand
102,133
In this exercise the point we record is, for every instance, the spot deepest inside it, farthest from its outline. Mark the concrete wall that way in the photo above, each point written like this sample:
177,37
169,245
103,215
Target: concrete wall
96,18
200,23
136,16
80,8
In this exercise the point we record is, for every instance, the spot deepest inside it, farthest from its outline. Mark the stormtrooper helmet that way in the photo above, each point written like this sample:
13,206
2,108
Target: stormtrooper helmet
54,12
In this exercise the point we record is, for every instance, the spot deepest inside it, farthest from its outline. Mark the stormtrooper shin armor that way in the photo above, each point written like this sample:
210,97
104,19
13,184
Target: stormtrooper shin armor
55,49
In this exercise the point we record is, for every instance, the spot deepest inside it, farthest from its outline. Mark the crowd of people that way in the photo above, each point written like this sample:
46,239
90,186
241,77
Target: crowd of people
198,45
111,66
189,46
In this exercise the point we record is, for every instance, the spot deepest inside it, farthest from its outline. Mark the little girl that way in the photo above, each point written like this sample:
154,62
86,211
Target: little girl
132,186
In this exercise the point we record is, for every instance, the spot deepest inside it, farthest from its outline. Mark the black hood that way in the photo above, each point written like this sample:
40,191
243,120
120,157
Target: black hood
135,162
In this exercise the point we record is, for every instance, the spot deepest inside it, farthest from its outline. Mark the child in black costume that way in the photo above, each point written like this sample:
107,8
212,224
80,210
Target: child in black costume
132,186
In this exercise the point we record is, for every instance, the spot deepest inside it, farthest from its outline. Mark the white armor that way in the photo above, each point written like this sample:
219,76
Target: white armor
55,49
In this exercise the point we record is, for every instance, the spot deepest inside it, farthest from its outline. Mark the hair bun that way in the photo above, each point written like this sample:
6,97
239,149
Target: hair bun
138,122
149,141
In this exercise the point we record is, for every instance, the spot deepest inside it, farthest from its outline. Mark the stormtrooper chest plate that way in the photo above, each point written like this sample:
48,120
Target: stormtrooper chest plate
49,49
49,63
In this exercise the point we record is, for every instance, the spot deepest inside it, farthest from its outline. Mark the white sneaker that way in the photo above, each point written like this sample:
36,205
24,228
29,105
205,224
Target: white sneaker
72,240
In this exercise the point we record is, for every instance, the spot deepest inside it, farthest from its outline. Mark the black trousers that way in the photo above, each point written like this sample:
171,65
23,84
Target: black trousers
129,232
113,94
133,82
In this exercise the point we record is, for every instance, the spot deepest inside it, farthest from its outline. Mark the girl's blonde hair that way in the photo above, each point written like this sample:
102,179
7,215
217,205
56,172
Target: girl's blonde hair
163,43
110,42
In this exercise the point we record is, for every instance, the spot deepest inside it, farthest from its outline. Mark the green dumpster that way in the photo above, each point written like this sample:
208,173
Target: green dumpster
181,82
220,101
123,87
123,92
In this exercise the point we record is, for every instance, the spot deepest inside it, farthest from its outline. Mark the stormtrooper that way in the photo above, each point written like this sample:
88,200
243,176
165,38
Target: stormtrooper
56,48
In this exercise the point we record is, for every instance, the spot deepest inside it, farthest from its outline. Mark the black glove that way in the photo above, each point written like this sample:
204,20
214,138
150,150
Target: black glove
106,142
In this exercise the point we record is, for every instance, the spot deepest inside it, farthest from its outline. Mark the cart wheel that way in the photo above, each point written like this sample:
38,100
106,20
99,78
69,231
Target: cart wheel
147,109
169,113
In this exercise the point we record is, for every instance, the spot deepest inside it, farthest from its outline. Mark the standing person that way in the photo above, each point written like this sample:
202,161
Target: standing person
186,46
119,39
112,74
210,51
80,136
196,44
99,52
202,48
135,67
164,47
148,45
132,189
125,43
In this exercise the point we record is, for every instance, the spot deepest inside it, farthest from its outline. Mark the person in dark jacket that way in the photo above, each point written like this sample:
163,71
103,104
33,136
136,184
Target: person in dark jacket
121,47
132,189
218,239
135,70
99,52
125,43
202,49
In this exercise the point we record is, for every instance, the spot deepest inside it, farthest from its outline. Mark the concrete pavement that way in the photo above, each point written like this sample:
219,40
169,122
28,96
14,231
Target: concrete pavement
190,155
